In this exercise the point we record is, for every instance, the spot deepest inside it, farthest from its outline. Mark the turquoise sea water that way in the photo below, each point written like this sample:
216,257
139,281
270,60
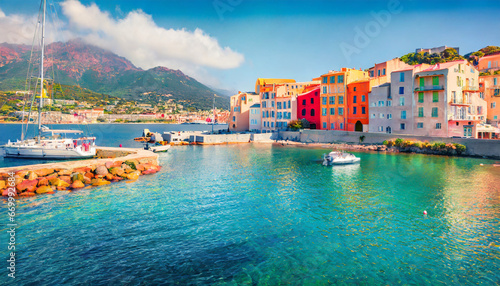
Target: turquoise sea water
268,215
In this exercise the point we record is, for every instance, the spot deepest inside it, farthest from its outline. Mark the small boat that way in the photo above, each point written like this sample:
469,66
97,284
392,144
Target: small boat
156,147
339,158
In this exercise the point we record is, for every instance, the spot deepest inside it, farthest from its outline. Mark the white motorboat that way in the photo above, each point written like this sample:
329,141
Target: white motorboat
48,144
156,148
339,158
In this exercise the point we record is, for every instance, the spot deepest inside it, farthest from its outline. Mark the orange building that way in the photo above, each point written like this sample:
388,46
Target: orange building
333,94
357,105
489,63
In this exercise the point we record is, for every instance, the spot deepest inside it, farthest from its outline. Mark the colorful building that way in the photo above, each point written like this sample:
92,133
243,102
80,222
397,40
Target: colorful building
489,86
381,111
357,105
333,92
266,88
308,106
240,110
447,100
380,73
254,118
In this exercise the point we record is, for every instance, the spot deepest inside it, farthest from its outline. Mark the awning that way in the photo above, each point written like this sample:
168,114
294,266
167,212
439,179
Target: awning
487,128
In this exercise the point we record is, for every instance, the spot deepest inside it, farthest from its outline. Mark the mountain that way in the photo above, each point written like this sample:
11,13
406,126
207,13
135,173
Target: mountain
78,63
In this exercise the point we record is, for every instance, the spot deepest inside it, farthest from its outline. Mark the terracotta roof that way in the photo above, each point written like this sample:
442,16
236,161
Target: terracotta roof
442,66
264,81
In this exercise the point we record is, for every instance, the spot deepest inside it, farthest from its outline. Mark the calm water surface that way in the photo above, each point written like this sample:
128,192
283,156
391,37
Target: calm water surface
268,215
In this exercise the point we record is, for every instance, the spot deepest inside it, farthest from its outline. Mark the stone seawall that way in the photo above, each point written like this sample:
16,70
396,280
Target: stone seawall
218,139
113,165
475,147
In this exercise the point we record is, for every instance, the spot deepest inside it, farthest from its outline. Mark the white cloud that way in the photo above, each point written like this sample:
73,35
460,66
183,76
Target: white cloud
16,29
139,39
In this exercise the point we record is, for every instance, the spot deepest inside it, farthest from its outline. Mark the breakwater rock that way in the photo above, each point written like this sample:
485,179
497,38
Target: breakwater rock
31,180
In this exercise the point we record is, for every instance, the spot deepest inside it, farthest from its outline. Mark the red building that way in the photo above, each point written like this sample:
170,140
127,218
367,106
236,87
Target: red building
357,105
308,106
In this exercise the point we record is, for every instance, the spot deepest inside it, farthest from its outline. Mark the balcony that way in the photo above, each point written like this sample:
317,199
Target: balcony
429,88
460,102
458,117
470,88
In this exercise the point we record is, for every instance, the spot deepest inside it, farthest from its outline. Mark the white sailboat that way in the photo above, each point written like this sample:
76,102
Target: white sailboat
49,144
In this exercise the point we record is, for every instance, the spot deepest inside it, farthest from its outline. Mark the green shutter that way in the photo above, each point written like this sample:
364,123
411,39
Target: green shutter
435,80
420,97
422,81
420,112
435,96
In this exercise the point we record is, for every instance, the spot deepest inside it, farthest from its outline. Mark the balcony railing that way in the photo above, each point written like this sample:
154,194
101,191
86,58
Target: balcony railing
429,87
470,88
455,117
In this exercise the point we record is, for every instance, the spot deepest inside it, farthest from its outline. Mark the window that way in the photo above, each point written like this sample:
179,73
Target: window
438,125
332,126
383,72
267,114
420,125
493,104
435,80
420,97
278,105
402,126
264,104
371,74
332,100
263,114
495,117
332,79
435,96
354,109
401,90
272,114
495,81
363,98
272,103
341,100
340,79
381,128
381,115
341,111
354,99
289,104
401,101
312,112
422,82
323,111
373,115
243,98
323,100
304,102
389,116
381,103
325,80
388,130
324,89
403,114
324,125
354,89
489,64
389,103
234,118
420,112
341,126
312,100
401,77
378,73
303,112
332,111
272,124
434,112
459,82
363,110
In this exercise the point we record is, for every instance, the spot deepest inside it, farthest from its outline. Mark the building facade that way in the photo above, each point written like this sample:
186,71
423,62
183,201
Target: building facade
240,110
254,118
308,106
333,93
357,106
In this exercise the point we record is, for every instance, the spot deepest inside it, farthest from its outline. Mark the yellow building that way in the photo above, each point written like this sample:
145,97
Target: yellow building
240,110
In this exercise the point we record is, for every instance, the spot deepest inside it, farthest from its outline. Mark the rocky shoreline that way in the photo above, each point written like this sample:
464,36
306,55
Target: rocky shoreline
120,164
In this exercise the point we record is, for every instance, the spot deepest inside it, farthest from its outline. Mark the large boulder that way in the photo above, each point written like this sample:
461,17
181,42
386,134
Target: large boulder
77,177
2,184
101,171
58,183
77,185
117,171
31,175
22,173
44,189
65,173
27,185
5,192
82,170
134,175
100,182
67,179
44,172
43,182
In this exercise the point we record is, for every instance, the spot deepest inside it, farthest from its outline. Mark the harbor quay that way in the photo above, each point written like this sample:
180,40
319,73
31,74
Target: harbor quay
111,165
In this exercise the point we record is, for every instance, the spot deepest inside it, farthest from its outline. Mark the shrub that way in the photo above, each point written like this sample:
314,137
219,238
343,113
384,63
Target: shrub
418,144
385,143
460,148
295,125
398,142
390,143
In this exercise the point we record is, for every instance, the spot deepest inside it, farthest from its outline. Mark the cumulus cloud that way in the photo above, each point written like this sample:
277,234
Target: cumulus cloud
137,37
16,29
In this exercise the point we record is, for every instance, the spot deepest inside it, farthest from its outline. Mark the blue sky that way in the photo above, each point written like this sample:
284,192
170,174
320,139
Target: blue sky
248,39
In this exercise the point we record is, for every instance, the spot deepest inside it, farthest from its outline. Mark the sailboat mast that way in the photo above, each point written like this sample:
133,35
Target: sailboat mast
41,74
213,110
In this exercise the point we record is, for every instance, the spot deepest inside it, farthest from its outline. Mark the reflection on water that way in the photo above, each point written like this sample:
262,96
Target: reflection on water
267,214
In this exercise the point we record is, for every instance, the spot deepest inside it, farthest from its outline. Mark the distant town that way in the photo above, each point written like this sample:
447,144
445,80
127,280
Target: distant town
432,92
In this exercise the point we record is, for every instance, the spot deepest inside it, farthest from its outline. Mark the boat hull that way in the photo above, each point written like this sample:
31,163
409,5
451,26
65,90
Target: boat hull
41,153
